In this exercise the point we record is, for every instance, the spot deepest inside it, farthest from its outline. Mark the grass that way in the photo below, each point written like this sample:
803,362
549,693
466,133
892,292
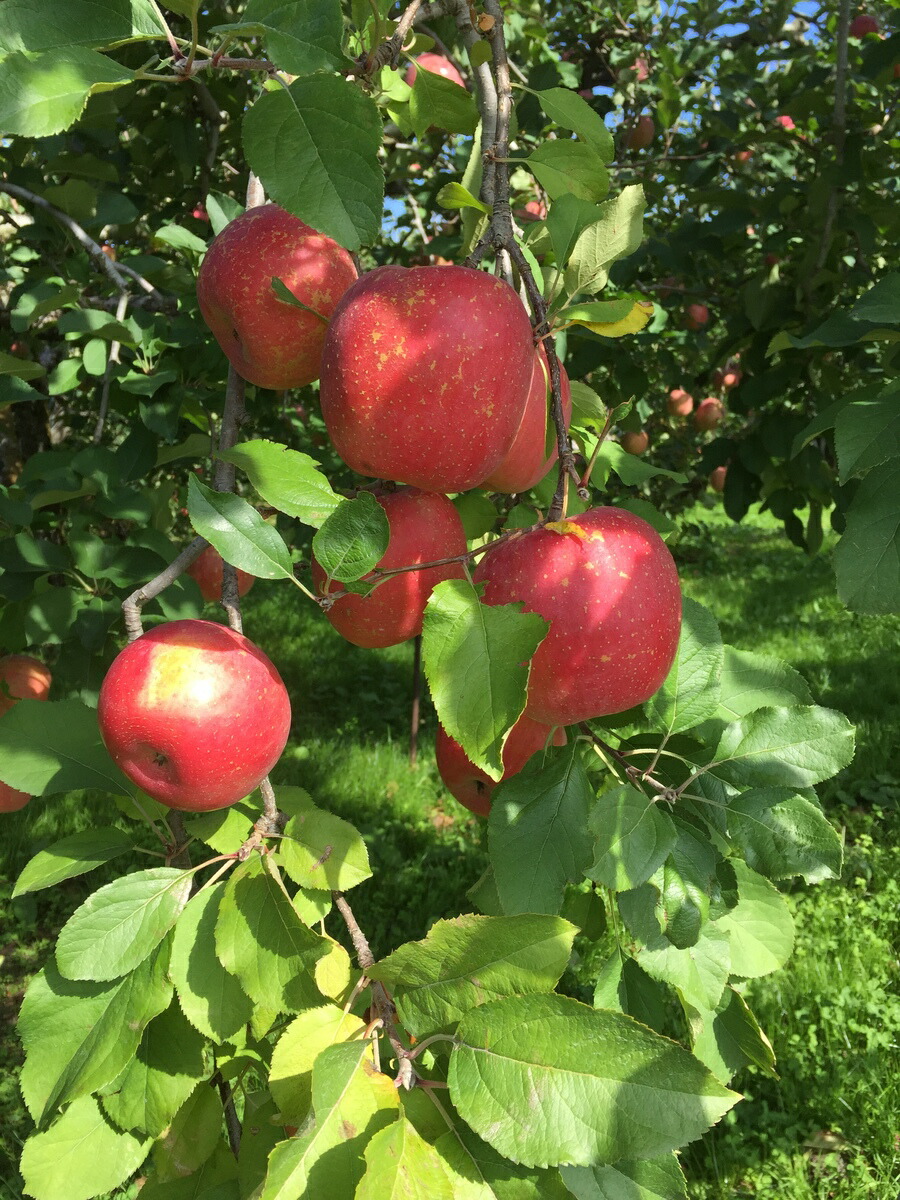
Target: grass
830,1125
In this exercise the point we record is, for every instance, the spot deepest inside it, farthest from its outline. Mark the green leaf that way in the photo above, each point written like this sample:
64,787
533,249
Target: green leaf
631,469
867,433
690,693
685,882
287,479
475,659
44,93
295,1053
626,987
538,832
180,239
472,960
302,36
867,558
214,1179
238,532
587,407
79,1036
120,925
760,927
524,1065
351,1102
783,834
441,103
642,1179
221,209
80,1156
315,149
319,850
730,1038
400,1165
25,25
170,1061
571,111
192,1136
261,939
574,168
353,539
784,747
54,746
617,233
224,829
454,195
751,681
566,220
633,836
211,998
699,972
74,855
22,368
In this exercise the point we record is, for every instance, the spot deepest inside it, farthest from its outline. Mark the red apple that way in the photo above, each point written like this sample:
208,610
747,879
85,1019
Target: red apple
194,714
207,570
424,527
717,479
534,210
425,375
438,65
862,25
743,156
10,799
639,135
266,339
199,213
609,588
526,462
635,443
785,122
22,678
667,286
709,414
471,786
641,69
680,403
697,316
726,377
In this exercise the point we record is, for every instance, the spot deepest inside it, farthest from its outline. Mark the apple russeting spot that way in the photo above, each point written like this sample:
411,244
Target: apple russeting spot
195,714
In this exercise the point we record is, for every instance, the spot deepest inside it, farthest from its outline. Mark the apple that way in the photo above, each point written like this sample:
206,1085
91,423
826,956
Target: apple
10,799
194,714
22,678
709,414
471,786
863,25
424,526
438,65
267,340
425,375
680,403
743,156
785,122
534,210
526,462
717,479
608,585
207,570
667,286
639,135
199,213
641,69
726,377
697,316
635,443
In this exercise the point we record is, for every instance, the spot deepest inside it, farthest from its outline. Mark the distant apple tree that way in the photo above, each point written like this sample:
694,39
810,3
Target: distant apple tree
218,1023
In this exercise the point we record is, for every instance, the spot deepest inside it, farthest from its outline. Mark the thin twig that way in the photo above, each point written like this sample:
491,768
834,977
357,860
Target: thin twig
132,605
232,1124
114,348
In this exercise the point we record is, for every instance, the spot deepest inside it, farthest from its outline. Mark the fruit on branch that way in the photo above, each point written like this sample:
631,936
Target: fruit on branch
468,783
743,156
22,678
635,442
269,341
667,286
527,462
194,714
641,68
534,210
199,213
785,122
438,65
425,375
717,479
680,403
639,135
862,25
207,569
697,315
709,414
609,588
726,377
424,527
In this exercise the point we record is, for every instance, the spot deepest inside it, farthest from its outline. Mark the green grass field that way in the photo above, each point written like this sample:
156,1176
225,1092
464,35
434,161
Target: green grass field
830,1125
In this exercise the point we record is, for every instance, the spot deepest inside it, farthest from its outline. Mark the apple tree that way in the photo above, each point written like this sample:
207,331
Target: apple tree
218,1022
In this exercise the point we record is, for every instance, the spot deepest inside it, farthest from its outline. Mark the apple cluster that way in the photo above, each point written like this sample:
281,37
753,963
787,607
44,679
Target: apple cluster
431,384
